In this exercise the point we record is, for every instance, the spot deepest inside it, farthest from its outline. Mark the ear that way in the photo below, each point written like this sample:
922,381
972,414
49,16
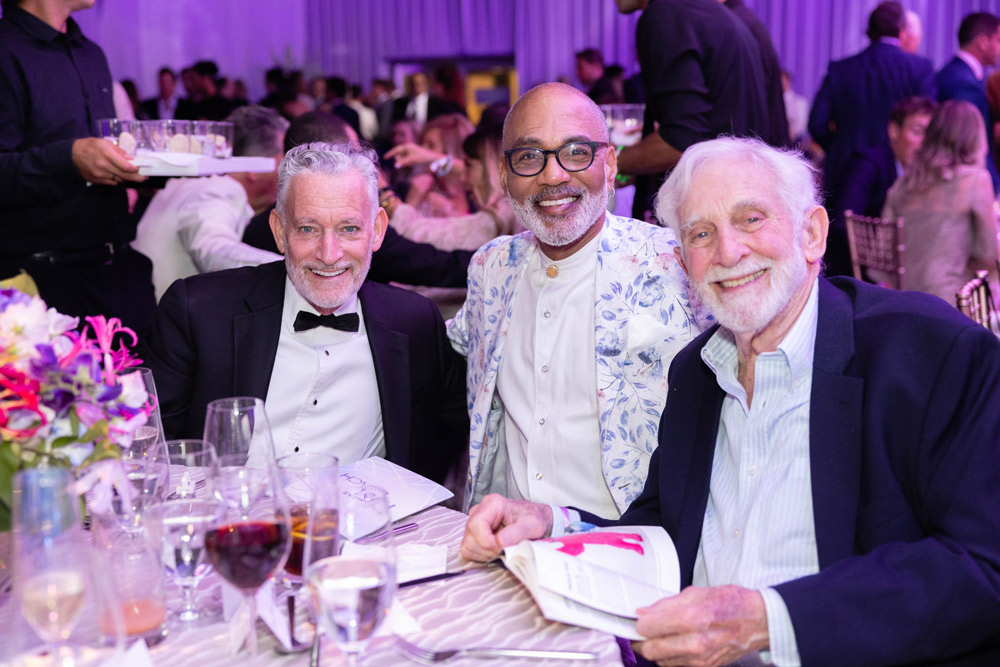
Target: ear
814,233
277,229
610,165
378,228
503,172
679,254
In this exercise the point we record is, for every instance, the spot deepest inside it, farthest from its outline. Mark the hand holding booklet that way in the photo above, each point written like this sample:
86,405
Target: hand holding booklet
599,578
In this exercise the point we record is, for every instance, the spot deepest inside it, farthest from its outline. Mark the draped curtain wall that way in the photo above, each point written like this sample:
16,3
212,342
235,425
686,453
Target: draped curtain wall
359,39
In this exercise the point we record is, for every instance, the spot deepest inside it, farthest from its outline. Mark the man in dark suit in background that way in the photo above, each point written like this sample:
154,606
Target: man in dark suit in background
962,78
346,367
777,129
829,456
873,170
852,108
702,77
163,106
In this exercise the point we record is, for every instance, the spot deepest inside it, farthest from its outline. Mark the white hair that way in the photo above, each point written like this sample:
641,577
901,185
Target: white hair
323,158
793,176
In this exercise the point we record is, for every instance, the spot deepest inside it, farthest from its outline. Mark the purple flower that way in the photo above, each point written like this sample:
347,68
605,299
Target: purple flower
11,296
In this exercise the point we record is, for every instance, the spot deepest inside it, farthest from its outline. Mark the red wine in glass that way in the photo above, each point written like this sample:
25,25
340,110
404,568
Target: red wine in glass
246,553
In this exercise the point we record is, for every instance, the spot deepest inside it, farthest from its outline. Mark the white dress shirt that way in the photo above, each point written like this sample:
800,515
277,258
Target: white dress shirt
758,529
547,381
416,108
195,225
323,395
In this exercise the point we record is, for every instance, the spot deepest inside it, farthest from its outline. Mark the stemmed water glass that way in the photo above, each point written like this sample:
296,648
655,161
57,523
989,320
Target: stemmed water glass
252,539
148,470
153,419
350,593
239,426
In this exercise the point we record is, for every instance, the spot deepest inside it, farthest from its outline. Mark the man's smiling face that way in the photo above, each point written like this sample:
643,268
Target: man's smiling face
328,233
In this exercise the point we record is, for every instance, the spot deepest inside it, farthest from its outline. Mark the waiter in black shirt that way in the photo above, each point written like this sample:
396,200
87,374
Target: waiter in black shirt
63,211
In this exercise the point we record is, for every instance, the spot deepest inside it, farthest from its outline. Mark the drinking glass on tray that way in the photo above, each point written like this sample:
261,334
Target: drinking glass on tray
350,592
252,539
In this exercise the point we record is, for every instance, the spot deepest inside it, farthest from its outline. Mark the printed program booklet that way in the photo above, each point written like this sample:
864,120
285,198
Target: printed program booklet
598,579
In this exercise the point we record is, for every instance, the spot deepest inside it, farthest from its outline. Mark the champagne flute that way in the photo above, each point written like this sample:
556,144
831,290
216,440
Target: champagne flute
252,540
351,593
239,426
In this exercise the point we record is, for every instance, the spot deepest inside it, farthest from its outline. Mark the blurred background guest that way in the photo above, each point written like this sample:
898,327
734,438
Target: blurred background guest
946,201
162,106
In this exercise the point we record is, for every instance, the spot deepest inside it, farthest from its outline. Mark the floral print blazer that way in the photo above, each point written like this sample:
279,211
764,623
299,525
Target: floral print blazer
642,317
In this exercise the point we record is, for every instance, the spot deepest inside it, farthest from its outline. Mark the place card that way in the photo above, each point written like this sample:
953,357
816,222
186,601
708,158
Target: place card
235,612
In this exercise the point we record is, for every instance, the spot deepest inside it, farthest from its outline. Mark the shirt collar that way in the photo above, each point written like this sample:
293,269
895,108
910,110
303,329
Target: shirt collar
36,27
973,62
798,345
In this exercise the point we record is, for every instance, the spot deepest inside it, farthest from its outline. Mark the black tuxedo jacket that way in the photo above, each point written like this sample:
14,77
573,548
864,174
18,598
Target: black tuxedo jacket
216,335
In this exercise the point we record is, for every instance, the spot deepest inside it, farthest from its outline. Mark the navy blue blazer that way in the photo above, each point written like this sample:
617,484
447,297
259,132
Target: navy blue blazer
855,99
956,81
904,445
216,335
870,174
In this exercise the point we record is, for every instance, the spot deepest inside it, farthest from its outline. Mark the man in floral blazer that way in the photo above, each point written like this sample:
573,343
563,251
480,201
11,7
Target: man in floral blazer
589,308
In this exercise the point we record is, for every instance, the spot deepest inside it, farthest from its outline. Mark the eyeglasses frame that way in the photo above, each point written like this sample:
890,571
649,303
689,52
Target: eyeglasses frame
594,145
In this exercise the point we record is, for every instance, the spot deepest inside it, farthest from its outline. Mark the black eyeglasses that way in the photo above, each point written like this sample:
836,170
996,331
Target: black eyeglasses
574,156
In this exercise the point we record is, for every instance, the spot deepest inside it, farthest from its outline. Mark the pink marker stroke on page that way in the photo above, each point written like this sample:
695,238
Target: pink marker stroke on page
573,545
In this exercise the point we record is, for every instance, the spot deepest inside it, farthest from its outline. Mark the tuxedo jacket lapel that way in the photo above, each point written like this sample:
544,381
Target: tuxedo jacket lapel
391,355
256,332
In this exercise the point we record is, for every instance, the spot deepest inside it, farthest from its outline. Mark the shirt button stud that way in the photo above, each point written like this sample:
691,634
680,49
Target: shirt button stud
547,314
538,475
296,449
315,401
545,368
737,533
752,470
542,421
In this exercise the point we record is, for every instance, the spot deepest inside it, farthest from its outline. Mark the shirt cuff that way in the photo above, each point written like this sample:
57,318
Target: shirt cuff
783,650
562,517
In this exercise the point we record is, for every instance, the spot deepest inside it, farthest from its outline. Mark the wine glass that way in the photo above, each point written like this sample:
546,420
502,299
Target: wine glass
252,539
181,524
191,466
148,470
54,580
145,376
350,593
302,476
240,426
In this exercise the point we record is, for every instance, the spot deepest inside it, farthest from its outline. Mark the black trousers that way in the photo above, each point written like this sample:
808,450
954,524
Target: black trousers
121,288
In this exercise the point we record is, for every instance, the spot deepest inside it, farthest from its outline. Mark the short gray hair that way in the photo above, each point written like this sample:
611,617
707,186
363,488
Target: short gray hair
794,177
323,158
257,131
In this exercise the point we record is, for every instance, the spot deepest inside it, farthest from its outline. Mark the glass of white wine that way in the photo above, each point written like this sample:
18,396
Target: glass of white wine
350,593
54,579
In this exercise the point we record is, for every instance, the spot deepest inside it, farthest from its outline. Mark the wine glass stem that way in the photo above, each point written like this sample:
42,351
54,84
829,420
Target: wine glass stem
187,591
251,642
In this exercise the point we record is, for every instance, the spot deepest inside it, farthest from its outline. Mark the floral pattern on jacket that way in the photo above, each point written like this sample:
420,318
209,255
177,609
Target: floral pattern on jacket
642,317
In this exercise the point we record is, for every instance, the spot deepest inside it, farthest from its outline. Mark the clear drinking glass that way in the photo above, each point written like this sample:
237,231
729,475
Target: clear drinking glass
191,466
182,524
252,540
302,477
145,376
54,575
223,131
131,557
624,122
148,470
350,593
239,426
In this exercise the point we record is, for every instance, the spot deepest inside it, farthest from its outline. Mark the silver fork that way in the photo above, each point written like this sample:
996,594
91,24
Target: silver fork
428,657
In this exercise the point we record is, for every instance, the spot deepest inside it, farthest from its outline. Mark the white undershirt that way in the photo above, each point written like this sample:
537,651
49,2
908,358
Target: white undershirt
547,381
323,395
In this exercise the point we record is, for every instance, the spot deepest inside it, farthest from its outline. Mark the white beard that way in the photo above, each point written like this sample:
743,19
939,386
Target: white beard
752,313
559,231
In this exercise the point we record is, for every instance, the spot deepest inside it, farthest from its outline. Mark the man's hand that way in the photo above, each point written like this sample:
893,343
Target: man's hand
498,522
100,161
703,627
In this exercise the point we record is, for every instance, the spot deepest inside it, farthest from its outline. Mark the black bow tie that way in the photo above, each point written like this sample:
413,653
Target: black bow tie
305,321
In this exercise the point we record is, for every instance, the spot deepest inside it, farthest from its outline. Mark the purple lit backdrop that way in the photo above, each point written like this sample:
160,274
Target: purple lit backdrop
359,39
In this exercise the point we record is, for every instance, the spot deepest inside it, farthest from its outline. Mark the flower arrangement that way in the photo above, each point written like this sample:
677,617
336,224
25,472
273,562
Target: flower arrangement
64,400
